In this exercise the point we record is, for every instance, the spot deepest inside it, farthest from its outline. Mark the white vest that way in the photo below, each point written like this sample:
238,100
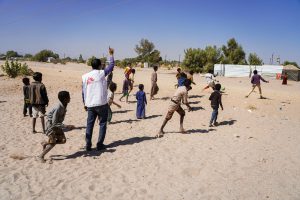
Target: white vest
94,88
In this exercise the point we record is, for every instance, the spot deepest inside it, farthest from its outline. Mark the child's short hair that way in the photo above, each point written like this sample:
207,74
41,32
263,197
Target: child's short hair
63,95
210,71
191,72
179,70
37,76
141,86
96,63
26,81
255,72
113,86
218,86
155,68
133,71
183,75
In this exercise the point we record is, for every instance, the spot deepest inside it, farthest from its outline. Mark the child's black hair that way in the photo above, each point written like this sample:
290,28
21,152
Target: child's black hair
113,86
191,72
155,68
211,71
96,63
218,86
255,72
63,95
183,75
133,71
141,86
37,76
178,70
26,81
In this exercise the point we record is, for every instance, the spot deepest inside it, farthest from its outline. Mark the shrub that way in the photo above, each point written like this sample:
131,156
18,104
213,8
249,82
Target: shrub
89,61
14,69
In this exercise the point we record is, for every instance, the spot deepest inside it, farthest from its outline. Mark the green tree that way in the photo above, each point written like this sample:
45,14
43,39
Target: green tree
233,53
80,59
290,63
28,56
194,59
12,54
43,55
146,52
213,56
253,59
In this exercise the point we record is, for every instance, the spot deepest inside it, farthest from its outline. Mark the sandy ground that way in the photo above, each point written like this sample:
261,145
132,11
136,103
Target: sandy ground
253,154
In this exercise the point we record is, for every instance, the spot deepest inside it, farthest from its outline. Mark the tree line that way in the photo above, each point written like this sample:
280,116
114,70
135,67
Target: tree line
196,59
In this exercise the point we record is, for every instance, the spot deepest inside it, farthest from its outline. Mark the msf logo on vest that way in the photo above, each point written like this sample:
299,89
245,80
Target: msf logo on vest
90,80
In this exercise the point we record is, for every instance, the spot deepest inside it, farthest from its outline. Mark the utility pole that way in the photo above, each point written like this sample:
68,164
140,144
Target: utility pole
179,60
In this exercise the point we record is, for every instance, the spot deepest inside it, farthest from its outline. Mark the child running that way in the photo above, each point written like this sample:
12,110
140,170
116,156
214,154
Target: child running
178,76
215,100
181,95
141,103
110,99
27,104
209,80
131,80
255,80
55,125
38,99
125,89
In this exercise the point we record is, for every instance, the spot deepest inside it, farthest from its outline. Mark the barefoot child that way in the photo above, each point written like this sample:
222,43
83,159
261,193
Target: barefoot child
209,77
125,89
55,125
255,80
181,95
110,99
27,104
131,80
215,100
141,103
178,76
154,87
38,99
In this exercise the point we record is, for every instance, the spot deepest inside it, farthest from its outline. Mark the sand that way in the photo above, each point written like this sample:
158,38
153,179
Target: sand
253,154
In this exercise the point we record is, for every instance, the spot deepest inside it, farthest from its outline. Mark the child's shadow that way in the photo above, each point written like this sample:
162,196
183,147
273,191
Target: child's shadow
153,116
121,111
194,102
81,153
125,121
196,96
230,122
76,128
197,108
3,101
163,98
201,130
129,141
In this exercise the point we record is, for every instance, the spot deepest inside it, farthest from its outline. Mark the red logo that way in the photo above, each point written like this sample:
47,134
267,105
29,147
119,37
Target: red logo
90,80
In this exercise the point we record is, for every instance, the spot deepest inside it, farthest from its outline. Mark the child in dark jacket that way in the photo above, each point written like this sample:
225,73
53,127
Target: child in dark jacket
216,100
27,104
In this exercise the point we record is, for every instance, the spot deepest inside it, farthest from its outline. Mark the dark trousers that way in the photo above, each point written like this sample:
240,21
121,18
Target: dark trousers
29,107
93,112
214,115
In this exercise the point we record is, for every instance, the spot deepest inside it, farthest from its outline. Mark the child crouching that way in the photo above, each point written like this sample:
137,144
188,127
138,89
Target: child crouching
54,125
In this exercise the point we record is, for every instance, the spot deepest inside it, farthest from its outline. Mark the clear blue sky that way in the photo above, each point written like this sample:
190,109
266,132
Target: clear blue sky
88,27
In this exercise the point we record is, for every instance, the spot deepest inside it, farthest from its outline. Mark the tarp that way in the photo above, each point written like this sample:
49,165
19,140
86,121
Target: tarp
246,70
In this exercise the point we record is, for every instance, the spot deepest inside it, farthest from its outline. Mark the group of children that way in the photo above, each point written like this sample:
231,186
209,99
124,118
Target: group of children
36,101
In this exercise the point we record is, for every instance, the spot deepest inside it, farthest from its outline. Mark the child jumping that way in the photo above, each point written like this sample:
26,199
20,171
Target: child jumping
110,99
27,104
181,95
38,99
215,100
141,103
255,80
55,125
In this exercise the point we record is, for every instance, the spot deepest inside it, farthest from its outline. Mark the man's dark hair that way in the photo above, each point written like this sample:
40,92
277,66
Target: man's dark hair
26,81
255,72
63,95
141,86
155,68
113,86
96,63
133,71
179,70
37,76
218,86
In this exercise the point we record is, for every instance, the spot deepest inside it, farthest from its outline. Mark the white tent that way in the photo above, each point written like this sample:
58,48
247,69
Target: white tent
228,70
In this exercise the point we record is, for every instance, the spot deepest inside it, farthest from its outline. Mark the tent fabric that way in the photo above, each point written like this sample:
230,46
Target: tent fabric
229,70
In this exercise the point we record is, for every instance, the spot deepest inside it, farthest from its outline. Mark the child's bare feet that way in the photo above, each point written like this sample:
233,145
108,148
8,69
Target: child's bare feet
34,131
160,134
40,159
44,144
183,131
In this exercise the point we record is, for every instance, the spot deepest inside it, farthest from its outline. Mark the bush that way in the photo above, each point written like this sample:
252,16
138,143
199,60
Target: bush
43,55
89,61
14,69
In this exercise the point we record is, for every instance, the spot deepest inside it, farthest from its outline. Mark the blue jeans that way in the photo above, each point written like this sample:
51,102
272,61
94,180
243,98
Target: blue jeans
214,115
93,113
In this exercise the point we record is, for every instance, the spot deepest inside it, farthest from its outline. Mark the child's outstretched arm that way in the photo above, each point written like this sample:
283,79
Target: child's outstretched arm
221,103
111,65
264,80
